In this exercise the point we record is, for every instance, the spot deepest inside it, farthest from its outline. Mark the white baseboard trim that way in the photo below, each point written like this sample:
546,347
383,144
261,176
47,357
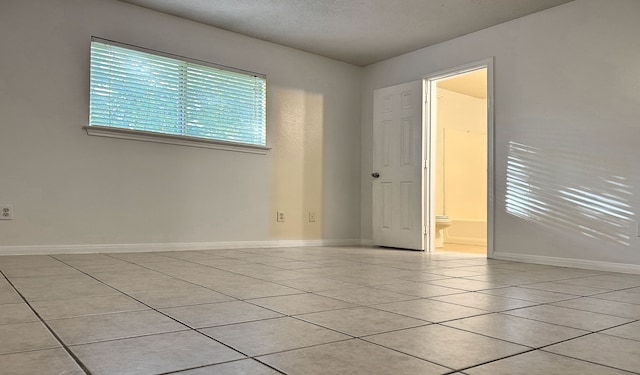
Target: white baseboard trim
366,242
569,262
146,247
466,241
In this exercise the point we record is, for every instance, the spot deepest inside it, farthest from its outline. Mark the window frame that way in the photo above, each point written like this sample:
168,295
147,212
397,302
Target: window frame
184,140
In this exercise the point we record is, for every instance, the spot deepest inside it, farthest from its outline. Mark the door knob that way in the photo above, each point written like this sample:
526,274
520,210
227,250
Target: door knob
375,175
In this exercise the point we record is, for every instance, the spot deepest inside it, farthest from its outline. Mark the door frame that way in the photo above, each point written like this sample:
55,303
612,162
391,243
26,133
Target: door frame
429,152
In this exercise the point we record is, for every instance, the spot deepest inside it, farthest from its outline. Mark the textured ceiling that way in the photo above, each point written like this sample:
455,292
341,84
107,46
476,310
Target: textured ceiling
359,32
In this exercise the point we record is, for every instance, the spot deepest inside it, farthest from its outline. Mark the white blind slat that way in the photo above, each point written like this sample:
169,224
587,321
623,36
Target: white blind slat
132,89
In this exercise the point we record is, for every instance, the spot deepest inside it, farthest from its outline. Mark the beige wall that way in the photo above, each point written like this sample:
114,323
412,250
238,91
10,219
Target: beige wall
461,166
68,188
461,161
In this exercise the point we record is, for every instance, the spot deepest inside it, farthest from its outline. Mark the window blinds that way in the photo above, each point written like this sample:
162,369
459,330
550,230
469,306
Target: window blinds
137,90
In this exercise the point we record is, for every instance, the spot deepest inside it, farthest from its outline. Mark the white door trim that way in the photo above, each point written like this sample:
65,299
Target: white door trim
429,81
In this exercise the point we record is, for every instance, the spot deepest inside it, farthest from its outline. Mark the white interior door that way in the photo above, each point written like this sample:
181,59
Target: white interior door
398,167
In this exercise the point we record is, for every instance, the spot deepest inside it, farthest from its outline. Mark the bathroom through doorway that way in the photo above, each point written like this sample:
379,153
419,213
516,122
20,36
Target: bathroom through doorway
459,117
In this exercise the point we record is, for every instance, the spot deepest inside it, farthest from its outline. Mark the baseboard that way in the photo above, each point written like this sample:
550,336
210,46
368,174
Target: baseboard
568,262
146,247
366,242
466,241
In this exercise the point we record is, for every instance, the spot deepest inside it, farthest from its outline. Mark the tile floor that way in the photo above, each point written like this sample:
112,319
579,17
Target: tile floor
316,310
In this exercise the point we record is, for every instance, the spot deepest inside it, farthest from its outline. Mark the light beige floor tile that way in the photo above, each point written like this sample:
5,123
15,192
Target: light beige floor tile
454,272
317,284
517,330
49,361
228,279
577,290
465,284
74,307
133,285
301,303
241,367
361,321
611,281
533,295
175,265
620,296
40,271
446,346
66,291
9,295
93,269
429,310
517,266
633,290
272,335
130,275
502,279
188,255
607,350
181,297
16,313
105,260
366,296
420,289
293,265
52,280
484,301
271,260
352,357
94,328
256,290
542,363
212,281
215,314
621,309
579,319
250,269
153,354
24,261
141,257
367,280
627,331
279,275
420,275
221,262
97,257
21,337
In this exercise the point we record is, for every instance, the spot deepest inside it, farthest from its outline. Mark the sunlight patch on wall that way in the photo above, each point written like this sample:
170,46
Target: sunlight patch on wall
569,193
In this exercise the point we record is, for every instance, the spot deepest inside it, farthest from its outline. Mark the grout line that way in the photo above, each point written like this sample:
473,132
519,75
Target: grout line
188,328
372,263
53,333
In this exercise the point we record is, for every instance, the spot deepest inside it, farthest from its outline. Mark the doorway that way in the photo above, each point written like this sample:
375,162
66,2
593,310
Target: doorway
459,117
404,179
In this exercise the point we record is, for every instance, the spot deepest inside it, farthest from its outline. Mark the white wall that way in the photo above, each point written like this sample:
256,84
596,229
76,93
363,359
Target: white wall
68,188
566,88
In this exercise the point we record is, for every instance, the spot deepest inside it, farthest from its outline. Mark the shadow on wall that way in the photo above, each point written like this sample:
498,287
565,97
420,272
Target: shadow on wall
297,180
580,197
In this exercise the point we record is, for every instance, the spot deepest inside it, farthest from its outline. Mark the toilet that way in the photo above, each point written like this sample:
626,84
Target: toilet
442,223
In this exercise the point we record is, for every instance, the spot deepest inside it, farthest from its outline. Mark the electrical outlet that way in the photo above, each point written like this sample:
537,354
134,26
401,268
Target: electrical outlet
312,217
6,212
280,216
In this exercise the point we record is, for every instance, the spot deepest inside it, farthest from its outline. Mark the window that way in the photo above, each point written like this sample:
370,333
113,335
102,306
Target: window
142,94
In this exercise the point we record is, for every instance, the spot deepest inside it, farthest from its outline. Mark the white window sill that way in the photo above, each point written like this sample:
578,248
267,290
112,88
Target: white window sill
138,135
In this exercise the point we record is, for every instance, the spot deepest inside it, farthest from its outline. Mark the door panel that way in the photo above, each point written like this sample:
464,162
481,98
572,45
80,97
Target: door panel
398,217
